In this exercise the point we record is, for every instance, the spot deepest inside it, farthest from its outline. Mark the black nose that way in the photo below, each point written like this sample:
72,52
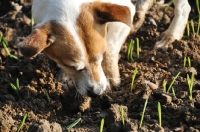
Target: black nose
91,94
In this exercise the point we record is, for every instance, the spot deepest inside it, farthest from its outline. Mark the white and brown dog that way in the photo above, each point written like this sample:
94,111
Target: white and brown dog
84,37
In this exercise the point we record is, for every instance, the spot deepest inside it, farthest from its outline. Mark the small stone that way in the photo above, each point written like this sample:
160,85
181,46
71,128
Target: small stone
166,98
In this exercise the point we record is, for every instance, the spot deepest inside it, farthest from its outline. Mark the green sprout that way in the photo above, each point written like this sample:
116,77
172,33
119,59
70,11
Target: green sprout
184,61
173,92
188,29
159,114
189,62
133,78
32,21
190,82
138,47
144,108
74,123
16,87
192,25
5,44
170,3
101,125
130,51
22,123
198,28
47,95
170,86
164,85
122,114
198,8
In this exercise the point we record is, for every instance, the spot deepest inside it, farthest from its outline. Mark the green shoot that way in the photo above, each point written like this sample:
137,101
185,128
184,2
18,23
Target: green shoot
170,86
74,123
138,47
188,29
16,87
130,51
197,4
22,123
192,25
190,84
102,125
122,114
170,3
47,95
32,20
133,78
173,92
164,85
159,114
5,44
145,105
198,28
189,62
184,62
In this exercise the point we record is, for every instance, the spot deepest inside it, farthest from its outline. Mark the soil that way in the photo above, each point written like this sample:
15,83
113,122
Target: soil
179,113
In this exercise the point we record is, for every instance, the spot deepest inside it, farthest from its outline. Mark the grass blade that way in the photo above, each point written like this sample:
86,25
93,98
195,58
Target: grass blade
189,62
159,114
170,86
145,105
122,114
74,123
102,125
133,78
138,47
47,95
22,123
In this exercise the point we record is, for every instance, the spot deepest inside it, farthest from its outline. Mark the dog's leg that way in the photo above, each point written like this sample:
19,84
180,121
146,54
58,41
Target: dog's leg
177,27
142,6
116,35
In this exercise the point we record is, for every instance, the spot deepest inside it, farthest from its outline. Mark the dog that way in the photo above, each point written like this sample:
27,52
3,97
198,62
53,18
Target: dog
84,37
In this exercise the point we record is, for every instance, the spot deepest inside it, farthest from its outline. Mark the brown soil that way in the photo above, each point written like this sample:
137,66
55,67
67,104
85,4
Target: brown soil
40,73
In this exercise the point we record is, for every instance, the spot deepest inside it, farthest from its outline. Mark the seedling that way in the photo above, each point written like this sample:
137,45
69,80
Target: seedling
159,114
184,61
74,123
5,44
189,62
102,125
133,78
16,87
170,3
32,21
141,120
47,95
22,123
192,25
130,51
197,4
138,47
173,92
122,114
190,81
198,28
170,86
188,29
164,85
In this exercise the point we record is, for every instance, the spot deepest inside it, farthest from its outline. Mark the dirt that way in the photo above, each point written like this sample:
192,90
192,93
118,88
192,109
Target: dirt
39,74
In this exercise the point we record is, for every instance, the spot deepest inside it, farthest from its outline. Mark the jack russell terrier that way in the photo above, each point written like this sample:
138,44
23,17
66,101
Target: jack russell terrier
84,37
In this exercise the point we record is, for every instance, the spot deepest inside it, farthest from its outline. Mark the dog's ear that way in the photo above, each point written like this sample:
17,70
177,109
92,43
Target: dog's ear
107,12
35,43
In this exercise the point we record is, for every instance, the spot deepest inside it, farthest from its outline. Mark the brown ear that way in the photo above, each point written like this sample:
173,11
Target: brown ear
35,43
107,12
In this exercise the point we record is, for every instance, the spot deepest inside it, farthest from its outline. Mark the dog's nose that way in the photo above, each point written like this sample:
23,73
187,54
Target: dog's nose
91,94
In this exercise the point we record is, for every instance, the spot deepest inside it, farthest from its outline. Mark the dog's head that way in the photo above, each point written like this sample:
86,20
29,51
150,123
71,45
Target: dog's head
78,47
